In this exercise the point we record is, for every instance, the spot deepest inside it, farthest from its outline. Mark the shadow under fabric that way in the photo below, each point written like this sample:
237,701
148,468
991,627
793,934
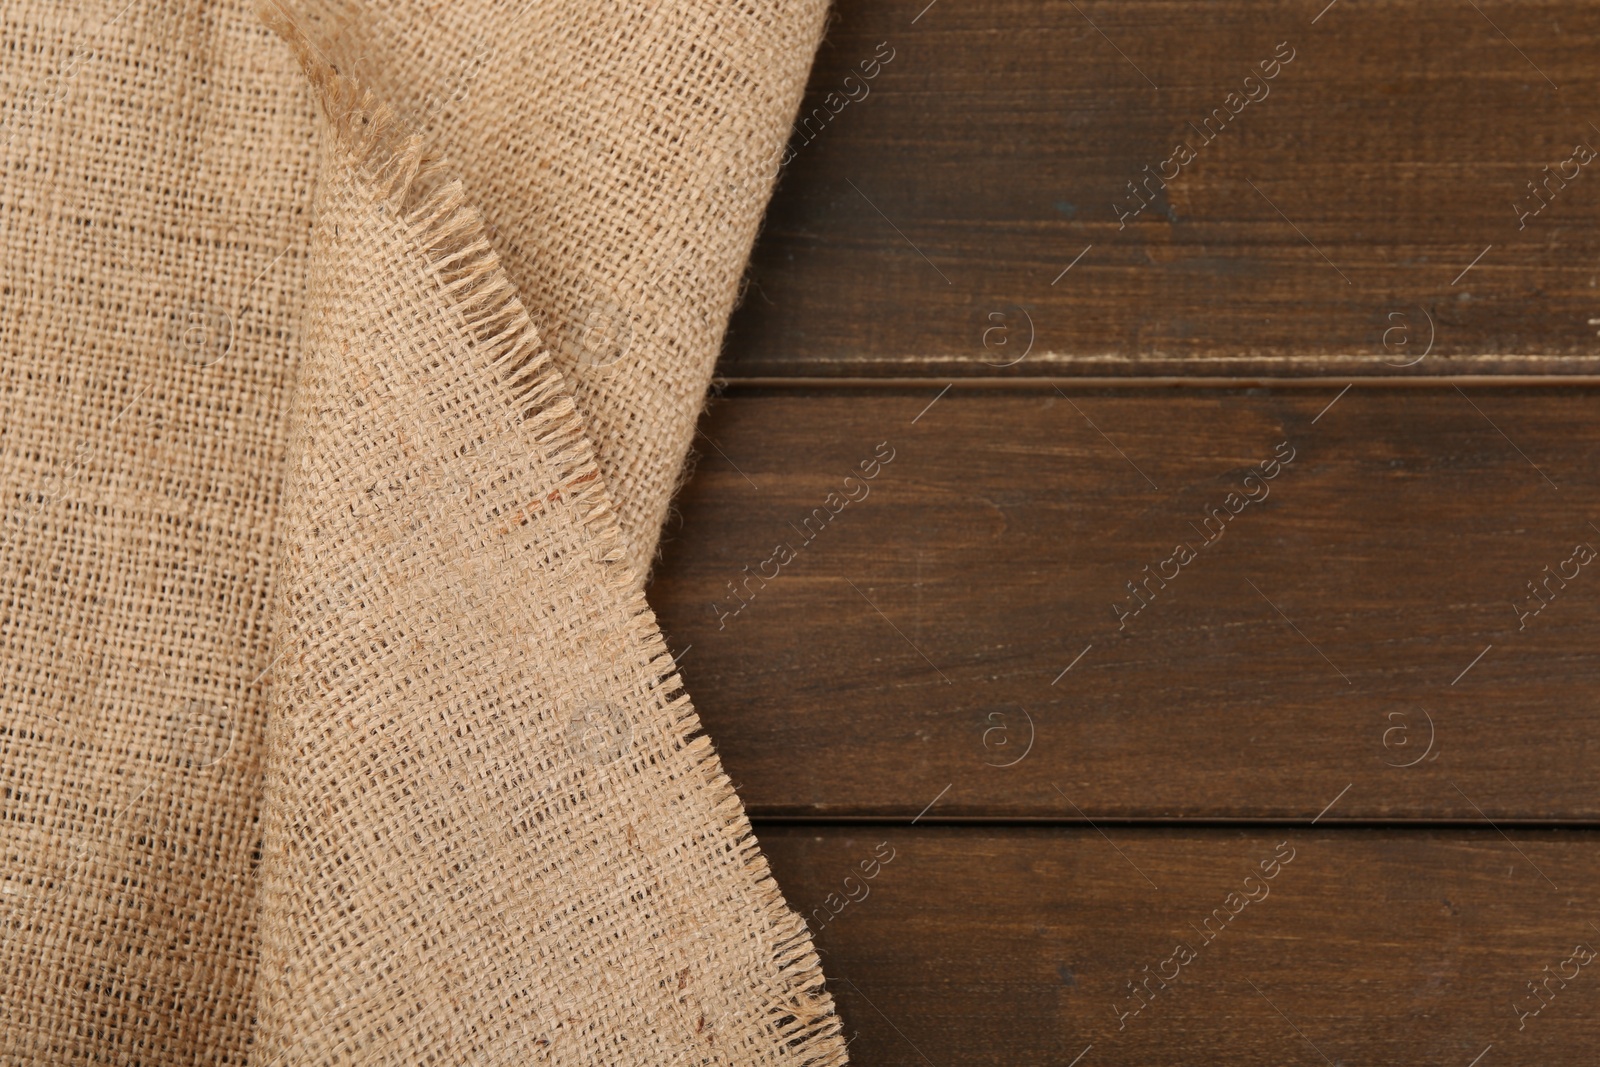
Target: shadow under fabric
347,367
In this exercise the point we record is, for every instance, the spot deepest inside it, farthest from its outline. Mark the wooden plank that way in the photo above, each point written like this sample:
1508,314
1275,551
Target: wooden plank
1020,946
958,625
1327,227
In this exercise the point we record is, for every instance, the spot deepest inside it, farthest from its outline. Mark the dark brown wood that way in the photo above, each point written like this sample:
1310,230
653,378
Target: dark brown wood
1363,646
1333,642
1325,228
982,945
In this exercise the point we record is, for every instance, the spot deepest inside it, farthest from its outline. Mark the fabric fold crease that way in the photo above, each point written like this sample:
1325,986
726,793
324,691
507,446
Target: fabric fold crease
491,829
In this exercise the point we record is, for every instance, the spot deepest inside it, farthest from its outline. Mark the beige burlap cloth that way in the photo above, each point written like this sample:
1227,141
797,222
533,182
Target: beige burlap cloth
349,355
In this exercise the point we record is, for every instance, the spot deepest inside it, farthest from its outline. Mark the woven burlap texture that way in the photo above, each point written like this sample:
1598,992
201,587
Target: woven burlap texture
349,362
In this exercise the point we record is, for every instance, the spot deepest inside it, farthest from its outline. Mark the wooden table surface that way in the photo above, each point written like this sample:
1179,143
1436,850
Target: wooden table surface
1140,570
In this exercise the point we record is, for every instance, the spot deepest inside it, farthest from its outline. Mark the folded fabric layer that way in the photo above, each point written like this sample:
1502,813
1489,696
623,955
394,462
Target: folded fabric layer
343,396
622,156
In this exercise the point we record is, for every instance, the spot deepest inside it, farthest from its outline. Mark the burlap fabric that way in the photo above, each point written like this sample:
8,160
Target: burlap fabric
345,374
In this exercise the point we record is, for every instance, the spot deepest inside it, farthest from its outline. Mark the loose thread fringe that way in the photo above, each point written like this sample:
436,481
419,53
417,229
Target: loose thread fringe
449,232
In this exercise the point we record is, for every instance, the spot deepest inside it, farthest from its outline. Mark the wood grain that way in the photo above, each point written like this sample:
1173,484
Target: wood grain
1359,657
1335,640
1327,227
1017,946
